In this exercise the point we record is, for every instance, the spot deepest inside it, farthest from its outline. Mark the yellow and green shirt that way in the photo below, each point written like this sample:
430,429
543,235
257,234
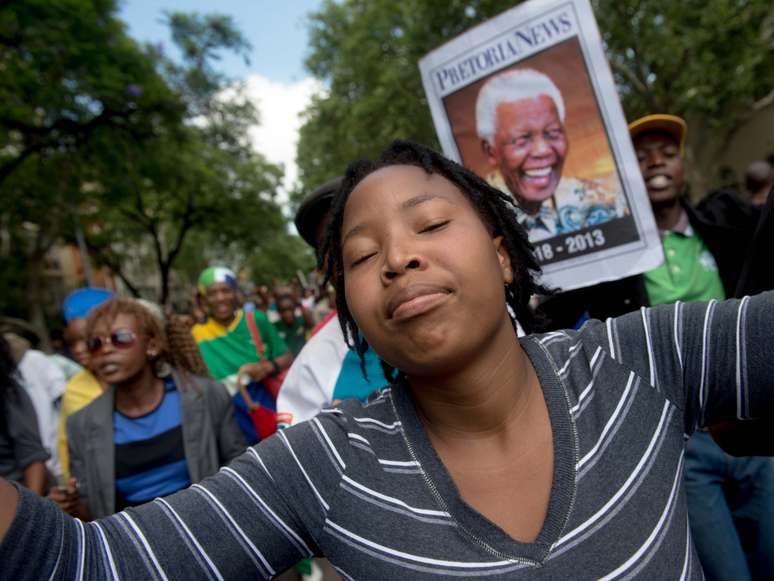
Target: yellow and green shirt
226,348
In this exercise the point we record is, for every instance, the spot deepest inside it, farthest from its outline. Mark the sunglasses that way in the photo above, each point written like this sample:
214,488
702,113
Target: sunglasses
120,339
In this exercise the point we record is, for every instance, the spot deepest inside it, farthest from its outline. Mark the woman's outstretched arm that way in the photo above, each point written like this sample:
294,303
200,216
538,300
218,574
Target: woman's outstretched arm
255,518
713,359
9,500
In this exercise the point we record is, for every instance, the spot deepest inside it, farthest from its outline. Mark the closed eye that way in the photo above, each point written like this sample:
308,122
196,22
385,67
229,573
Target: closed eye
363,258
435,226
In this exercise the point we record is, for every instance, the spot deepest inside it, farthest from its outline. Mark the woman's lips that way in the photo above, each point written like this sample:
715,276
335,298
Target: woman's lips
415,300
108,368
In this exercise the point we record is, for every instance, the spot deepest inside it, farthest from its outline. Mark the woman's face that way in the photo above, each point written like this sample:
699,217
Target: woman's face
424,279
117,363
75,339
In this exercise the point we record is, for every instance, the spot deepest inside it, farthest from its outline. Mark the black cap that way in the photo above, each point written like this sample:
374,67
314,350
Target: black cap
313,208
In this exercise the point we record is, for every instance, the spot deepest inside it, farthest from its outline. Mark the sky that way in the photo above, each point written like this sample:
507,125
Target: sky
275,77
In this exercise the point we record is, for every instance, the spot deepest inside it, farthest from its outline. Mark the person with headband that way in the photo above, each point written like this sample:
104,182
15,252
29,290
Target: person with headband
489,456
229,341
520,119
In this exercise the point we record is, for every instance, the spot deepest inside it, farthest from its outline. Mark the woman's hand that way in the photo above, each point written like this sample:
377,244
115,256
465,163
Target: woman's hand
67,497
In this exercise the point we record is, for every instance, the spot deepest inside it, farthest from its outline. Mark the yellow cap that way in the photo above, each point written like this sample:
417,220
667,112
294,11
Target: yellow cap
670,124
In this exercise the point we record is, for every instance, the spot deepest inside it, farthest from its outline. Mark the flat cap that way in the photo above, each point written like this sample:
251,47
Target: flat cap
313,208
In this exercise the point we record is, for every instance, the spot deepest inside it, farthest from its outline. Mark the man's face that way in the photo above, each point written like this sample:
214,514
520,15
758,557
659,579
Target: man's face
75,339
661,165
529,148
283,291
287,310
221,301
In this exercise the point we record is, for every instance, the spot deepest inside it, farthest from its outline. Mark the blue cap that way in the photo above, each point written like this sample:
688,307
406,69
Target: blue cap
79,303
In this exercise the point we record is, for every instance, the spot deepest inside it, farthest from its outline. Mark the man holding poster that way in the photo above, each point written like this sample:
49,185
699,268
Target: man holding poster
520,118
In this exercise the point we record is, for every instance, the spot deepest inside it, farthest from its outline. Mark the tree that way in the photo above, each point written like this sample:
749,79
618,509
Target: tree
203,175
280,259
138,151
41,214
367,52
709,61
178,187
70,76
69,72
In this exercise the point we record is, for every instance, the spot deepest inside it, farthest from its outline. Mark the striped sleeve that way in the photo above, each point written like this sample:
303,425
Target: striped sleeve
254,518
712,359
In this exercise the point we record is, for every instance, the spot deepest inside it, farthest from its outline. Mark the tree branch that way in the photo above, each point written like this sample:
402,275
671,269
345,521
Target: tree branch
113,265
636,83
184,228
46,136
64,124
763,102
120,273
141,218
10,166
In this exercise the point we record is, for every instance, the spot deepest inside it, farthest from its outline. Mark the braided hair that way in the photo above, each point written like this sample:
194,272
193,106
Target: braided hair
496,209
185,354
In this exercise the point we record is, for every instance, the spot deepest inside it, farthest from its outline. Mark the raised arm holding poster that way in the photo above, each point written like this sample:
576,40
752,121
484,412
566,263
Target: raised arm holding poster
527,101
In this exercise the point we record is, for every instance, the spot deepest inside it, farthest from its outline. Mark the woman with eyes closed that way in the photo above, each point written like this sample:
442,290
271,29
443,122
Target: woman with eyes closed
489,455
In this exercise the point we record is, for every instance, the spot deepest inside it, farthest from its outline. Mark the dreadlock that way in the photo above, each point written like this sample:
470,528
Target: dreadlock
184,353
496,209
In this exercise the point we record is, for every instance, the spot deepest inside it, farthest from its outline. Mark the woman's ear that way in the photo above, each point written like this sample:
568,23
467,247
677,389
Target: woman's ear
504,258
152,348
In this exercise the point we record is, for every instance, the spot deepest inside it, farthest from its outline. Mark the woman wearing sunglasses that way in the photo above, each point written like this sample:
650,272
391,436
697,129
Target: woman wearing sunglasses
490,456
156,429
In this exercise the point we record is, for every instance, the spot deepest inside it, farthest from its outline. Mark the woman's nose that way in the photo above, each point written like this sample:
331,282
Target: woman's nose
399,261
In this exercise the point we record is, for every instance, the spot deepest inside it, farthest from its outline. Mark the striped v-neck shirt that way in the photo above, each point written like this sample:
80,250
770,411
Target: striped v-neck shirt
363,486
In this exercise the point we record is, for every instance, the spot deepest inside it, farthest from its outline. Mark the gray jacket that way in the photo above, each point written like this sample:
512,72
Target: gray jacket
211,438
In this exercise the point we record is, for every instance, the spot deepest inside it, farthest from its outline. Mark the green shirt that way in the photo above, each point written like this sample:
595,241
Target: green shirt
226,349
689,272
294,334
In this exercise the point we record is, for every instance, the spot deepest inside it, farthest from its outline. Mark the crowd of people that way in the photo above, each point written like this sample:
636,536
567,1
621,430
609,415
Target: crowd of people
424,414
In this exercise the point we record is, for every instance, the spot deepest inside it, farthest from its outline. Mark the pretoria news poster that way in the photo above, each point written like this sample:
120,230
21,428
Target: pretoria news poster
527,101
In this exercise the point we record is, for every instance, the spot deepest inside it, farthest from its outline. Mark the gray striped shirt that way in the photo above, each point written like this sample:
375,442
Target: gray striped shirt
363,486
